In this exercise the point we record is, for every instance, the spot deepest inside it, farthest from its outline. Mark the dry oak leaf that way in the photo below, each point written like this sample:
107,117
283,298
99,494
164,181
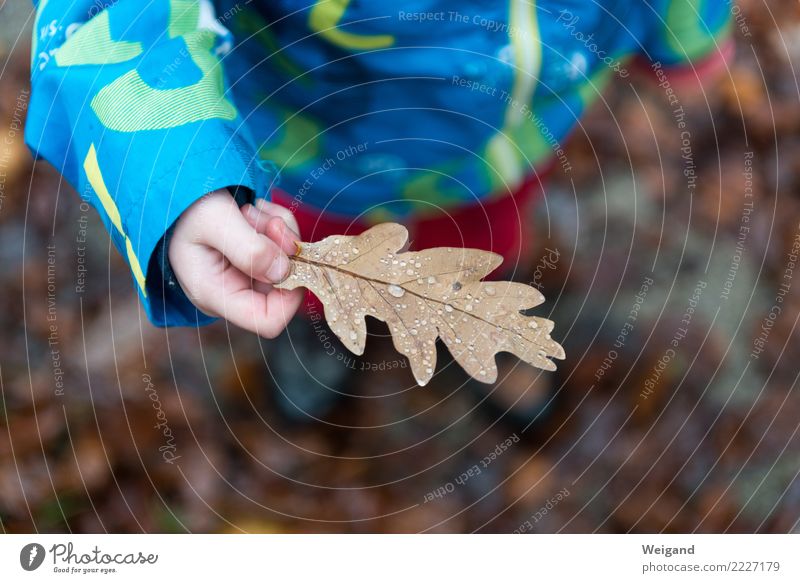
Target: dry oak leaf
421,296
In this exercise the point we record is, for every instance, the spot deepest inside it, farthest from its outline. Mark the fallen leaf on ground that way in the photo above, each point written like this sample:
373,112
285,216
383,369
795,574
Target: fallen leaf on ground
421,296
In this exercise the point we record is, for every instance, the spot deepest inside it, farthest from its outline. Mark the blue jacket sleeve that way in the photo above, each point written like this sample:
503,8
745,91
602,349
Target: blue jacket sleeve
130,102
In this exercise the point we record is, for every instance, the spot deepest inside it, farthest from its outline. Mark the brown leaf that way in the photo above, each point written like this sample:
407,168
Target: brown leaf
421,296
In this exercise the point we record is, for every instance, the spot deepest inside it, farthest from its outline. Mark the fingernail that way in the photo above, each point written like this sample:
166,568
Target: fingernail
279,269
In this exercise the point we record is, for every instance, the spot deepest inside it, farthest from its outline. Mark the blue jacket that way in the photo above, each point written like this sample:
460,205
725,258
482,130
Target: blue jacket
377,109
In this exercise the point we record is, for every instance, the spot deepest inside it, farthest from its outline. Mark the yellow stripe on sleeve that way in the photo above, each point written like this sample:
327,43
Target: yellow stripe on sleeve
92,169
95,177
136,268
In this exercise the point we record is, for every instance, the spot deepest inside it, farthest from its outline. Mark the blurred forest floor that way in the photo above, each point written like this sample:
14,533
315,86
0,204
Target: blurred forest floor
668,430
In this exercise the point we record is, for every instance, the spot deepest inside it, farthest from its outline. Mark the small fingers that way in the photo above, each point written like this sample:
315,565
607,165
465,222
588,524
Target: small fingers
274,227
251,252
281,211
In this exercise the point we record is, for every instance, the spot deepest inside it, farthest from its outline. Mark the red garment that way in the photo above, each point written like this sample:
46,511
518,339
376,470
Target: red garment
499,224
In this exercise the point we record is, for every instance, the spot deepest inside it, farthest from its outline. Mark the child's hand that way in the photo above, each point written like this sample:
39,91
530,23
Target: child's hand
226,258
